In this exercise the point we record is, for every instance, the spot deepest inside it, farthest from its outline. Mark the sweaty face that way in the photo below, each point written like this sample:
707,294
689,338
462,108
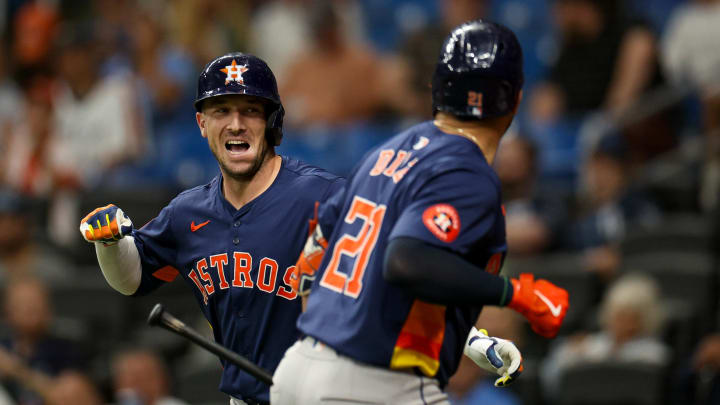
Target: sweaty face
234,126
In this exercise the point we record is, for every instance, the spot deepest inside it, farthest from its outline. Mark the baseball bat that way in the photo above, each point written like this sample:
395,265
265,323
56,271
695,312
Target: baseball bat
160,317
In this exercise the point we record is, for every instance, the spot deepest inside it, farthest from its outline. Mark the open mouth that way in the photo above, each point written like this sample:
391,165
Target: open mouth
237,146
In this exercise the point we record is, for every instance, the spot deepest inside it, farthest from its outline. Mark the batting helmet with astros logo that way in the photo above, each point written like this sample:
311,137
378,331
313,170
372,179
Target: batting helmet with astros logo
479,72
241,73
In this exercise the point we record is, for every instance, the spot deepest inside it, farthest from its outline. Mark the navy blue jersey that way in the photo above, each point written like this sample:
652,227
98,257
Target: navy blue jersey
238,263
423,184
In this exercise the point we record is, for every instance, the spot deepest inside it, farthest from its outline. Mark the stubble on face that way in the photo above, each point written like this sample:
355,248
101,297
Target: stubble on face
264,154
222,125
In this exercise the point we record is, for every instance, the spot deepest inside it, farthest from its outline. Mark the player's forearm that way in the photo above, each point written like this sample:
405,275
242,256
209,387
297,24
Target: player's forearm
120,265
438,276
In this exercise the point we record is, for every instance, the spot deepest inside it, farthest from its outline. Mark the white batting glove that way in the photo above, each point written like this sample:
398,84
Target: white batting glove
106,224
495,355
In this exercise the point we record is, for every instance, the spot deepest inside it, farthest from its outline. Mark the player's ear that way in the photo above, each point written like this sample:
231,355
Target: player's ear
200,118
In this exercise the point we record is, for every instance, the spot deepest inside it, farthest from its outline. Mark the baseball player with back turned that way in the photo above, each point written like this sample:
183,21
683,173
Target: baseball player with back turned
235,240
414,246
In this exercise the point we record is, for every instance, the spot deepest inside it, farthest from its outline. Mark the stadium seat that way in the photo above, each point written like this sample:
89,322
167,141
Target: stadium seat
681,328
682,232
673,181
613,383
87,308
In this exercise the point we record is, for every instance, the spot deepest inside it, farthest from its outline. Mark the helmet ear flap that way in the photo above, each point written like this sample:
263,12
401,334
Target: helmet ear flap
274,125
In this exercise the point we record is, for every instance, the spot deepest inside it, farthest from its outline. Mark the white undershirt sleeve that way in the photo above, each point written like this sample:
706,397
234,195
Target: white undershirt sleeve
120,264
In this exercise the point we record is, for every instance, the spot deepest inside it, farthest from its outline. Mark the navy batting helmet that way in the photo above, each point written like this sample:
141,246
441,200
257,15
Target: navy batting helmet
479,72
240,73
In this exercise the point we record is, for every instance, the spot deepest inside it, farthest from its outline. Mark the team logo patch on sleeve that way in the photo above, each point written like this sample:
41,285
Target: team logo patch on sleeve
443,221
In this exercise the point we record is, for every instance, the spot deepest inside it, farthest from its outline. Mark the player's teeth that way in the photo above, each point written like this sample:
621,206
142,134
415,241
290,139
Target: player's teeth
236,146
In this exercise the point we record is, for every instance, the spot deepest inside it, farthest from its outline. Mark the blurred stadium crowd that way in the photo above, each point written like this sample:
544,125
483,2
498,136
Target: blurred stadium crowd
611,176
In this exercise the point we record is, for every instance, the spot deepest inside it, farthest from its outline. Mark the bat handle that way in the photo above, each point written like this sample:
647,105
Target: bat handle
159,317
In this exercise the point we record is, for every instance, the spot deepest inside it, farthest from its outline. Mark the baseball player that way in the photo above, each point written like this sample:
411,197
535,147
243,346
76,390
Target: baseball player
234,240
409,252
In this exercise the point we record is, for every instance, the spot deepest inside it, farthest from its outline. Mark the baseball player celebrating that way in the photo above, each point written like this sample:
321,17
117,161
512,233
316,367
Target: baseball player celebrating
410,251
234,240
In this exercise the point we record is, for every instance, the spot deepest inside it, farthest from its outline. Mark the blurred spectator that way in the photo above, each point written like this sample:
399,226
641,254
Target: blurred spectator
17,375
607,207
472,385
140,377
69,387
28,315
533,216
22,252
606,63
5,397
16,253
114,21
207,28
35,25
285,19
288,19
630,317
605,60
336,82
691,57
25,163
75,388
164,71
166,93
97,120
419,53
698,383
10,97
97,126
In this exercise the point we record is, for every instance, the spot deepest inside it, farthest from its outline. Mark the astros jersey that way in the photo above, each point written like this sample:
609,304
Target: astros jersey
238,263
422,184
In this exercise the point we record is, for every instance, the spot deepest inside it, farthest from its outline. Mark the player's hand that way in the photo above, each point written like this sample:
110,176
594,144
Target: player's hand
495,355
541,302
307,265
106,224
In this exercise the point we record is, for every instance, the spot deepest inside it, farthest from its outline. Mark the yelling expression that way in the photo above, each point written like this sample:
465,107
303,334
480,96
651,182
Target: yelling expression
234,126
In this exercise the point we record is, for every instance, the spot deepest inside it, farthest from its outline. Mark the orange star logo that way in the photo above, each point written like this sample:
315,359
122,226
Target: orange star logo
234,72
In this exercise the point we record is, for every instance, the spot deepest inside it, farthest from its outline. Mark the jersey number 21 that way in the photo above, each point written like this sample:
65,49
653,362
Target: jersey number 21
359,247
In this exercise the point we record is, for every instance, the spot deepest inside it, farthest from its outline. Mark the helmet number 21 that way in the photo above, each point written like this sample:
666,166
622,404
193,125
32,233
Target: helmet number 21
358,247
475,99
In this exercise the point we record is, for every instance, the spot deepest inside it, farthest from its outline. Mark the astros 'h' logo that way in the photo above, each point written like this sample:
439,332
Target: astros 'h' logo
234,72
443,221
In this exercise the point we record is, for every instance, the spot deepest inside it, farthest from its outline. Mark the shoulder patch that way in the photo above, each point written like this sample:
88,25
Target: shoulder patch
443,221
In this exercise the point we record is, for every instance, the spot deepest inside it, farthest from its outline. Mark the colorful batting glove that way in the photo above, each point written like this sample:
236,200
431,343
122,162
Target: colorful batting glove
106,224
498,356
302,278
541,302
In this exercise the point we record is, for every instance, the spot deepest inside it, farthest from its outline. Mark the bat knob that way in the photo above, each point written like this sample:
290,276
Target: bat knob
155,315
